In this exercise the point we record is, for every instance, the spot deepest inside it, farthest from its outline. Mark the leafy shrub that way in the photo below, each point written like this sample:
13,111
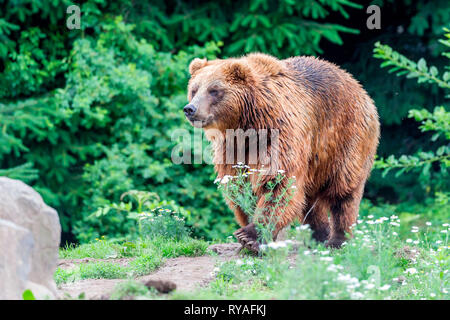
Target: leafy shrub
239,191
147,216
88,114
102,270
108,130
437,121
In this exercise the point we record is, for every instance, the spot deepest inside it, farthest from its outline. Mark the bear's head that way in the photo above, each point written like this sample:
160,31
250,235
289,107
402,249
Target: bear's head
220,91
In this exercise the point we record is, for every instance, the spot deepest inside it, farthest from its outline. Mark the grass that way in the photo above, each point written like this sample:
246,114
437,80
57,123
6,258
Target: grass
131,289
102,270
390,257
397,252
145,256
105,249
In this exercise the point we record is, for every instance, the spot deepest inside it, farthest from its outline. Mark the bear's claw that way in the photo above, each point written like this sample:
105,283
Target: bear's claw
335,243
247,237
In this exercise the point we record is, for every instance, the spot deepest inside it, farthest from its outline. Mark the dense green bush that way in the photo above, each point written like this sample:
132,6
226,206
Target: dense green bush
108,130
438,122
87,114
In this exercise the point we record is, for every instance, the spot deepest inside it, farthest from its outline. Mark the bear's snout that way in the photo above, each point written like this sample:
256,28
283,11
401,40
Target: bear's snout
189,110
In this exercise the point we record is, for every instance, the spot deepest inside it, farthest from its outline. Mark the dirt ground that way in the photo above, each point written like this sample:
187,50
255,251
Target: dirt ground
188,273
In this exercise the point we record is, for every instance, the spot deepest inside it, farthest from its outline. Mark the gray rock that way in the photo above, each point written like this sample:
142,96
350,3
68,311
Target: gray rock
29,241
16,245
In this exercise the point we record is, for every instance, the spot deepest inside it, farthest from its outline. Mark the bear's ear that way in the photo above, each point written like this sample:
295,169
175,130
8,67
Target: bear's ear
238,72
265,64
197,64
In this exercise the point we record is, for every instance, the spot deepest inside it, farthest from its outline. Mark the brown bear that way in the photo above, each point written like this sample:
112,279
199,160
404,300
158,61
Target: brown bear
328,132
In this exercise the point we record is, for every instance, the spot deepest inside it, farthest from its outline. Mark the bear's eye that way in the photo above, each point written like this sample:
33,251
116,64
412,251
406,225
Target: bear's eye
193,92
214,92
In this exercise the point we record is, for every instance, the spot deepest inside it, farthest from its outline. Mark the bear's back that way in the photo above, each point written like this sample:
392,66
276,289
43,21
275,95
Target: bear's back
333,89
319,76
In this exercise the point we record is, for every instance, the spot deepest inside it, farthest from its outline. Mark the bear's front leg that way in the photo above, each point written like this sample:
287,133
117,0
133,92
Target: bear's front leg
272,215
248,237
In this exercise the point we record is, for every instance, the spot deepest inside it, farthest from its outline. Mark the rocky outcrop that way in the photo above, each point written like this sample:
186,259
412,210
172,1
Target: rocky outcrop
29,241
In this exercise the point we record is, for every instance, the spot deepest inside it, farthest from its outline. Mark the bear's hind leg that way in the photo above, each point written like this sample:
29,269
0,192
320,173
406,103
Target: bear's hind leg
316,216
344,212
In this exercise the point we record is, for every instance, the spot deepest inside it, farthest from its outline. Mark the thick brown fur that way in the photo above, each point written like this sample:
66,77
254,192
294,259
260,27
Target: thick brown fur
328,132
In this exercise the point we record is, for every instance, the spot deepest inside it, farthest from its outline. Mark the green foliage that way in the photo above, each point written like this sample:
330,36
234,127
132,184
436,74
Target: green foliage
88,114
403,66
129,289
390,257
109,249
101,270
437,121
278,192
282,28
146,263
152,217
145,255
143,264
28,295
108,130
23,172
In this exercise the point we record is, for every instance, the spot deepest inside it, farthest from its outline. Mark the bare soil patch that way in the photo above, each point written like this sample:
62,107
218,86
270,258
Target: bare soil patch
188,273
67,264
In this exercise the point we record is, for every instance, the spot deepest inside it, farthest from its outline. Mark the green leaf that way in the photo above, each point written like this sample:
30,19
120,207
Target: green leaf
422,65
28,295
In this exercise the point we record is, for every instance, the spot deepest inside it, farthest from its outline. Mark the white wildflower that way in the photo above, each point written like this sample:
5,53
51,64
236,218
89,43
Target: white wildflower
276,245
332,268
328,259
357,295
369,286
411,271
226,179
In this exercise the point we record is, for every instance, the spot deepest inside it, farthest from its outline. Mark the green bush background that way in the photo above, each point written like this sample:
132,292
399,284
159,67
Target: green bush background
88,114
